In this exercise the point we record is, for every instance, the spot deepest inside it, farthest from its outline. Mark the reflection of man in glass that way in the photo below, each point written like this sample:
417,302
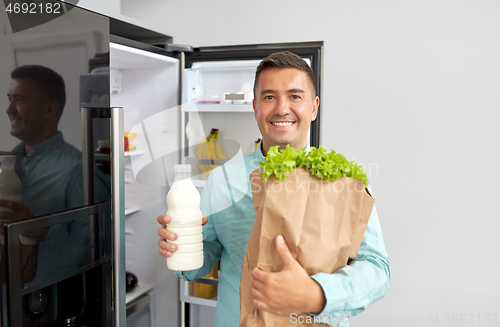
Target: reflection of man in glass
48,167
51,174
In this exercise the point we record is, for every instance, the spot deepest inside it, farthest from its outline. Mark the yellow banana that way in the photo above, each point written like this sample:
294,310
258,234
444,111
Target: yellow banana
219,153
130,135
211,146
257,144
202,152
206,149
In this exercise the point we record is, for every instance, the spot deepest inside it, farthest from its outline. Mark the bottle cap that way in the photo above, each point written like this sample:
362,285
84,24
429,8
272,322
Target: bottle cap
182,168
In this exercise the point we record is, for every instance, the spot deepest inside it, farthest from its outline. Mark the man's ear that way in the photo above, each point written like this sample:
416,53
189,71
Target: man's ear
254,110
51,109
315,109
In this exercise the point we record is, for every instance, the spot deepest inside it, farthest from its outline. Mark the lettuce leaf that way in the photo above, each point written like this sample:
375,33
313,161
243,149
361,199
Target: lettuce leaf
326,166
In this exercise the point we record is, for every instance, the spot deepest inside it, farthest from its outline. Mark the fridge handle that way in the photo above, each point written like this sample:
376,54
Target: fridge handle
118,214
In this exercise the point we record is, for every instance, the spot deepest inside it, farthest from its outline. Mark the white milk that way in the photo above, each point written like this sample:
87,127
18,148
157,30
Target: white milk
10,185
183,201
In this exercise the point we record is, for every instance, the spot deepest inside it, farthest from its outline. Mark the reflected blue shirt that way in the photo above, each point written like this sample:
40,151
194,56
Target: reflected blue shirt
51,177
227,202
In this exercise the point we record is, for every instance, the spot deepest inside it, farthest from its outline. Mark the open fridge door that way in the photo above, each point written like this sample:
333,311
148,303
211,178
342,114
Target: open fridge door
144,80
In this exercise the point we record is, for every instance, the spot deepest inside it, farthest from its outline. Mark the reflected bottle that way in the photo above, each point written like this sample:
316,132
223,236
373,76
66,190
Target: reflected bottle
10,185
183,201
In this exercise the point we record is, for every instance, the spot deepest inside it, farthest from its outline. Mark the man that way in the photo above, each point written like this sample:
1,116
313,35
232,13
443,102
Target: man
285,103
47,166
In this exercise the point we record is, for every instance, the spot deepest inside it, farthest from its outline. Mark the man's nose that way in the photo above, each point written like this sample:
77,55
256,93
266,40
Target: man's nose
11,107
282,106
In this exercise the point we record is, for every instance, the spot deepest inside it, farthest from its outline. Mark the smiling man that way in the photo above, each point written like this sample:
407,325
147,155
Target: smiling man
47,166
285,103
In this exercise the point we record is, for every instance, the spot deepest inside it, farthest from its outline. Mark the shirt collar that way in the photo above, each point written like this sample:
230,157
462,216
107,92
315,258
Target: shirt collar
40,149
258,153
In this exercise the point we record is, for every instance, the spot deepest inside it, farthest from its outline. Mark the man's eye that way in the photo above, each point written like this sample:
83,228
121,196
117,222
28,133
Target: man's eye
295,96
268,97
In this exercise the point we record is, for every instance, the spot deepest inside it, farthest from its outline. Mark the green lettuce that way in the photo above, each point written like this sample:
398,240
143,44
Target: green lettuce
326,166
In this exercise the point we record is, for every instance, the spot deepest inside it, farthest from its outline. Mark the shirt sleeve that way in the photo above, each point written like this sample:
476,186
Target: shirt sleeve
212,248
353,288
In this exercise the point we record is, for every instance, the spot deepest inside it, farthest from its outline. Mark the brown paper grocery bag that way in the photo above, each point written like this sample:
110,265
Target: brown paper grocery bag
323,224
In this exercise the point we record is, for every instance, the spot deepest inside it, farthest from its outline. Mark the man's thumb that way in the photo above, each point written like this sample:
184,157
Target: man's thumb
284,251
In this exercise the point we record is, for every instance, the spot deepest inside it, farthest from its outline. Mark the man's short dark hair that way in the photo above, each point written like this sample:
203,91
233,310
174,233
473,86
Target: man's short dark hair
50,83
285,59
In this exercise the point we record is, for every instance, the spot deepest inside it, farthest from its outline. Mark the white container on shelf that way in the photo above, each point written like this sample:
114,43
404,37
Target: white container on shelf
183,201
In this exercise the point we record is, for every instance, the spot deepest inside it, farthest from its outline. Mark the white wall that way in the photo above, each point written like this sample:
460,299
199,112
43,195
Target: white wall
412,90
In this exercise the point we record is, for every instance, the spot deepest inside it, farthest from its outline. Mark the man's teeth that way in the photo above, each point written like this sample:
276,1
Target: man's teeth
283,123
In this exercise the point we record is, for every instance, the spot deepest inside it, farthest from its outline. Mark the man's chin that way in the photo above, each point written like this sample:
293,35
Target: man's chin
16,134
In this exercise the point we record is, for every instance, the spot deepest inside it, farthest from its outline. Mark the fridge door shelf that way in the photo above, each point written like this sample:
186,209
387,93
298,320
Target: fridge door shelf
201,107
133,153
129,211
185,297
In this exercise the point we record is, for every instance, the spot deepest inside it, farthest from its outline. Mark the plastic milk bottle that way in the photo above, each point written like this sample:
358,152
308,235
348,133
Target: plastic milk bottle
10,185
183,201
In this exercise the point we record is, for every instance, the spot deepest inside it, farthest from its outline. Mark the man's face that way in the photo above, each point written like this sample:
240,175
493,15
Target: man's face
25,110
284,106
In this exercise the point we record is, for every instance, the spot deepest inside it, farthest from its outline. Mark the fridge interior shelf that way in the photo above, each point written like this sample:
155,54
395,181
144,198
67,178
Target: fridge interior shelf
137,291
199,107
133,153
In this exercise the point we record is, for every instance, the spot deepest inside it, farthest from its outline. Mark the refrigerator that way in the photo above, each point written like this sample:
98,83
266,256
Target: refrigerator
159,98
64,265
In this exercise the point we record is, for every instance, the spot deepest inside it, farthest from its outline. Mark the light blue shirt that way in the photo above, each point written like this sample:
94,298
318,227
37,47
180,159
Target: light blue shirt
51,176
227,202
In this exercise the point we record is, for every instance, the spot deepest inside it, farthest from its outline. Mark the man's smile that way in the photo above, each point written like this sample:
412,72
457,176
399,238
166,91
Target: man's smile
283,123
